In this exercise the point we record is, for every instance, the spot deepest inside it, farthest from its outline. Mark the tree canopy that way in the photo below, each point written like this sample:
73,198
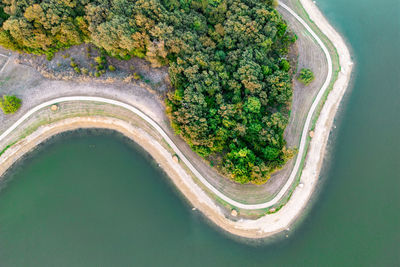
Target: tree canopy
10,104
306,76
226,62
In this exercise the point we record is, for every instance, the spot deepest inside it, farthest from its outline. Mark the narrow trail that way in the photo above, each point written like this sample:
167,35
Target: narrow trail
302,146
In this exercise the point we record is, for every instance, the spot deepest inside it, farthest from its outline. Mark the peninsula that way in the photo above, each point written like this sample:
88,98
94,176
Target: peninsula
234,99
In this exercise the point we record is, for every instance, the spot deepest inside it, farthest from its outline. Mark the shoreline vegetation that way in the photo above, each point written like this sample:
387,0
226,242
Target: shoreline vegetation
258,228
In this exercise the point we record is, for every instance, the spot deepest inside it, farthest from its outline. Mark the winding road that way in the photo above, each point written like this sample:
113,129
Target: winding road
302,146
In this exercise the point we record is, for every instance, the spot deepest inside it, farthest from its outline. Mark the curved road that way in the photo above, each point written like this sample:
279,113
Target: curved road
176,149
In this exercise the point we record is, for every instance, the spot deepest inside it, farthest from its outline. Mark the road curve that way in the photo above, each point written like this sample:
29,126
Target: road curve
182,157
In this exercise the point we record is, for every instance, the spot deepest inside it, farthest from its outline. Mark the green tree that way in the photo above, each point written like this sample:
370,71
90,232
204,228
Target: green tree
306,76
253,105
10,104
284,64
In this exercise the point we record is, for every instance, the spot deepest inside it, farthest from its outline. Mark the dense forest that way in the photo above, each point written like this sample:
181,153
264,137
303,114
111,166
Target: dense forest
226,62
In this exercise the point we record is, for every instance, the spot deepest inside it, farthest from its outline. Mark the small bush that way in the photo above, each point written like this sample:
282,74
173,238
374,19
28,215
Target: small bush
77,70
84,71
49,56
126,57
137,76
306,76
99,60
73,64
10,104
97,74
111,68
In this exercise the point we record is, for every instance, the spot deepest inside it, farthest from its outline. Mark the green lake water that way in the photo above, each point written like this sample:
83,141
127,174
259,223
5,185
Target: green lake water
93,198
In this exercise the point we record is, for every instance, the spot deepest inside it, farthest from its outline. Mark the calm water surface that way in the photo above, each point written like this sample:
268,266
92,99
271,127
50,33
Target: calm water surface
90,199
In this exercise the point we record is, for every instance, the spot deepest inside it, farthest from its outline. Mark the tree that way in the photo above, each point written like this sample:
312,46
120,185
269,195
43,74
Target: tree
284,64
10,104
306,76
253,105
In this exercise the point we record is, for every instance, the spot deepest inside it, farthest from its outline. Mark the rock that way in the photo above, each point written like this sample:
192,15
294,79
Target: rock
272,210
234,213
54,108
175,158
311,134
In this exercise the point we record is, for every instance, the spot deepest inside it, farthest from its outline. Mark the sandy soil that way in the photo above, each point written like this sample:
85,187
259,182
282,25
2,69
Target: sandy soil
268,224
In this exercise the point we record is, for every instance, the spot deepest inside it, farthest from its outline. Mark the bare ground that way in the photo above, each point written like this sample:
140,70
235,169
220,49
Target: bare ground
134,71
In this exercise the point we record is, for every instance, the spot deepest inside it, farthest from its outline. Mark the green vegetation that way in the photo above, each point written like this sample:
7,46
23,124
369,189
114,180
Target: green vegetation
226,61
10,104
306,76
7,147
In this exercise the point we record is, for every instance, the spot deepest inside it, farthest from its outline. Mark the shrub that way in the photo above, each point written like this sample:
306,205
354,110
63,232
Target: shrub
99,60
49,56
111,68
284,64
306,76
10,104
73,64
